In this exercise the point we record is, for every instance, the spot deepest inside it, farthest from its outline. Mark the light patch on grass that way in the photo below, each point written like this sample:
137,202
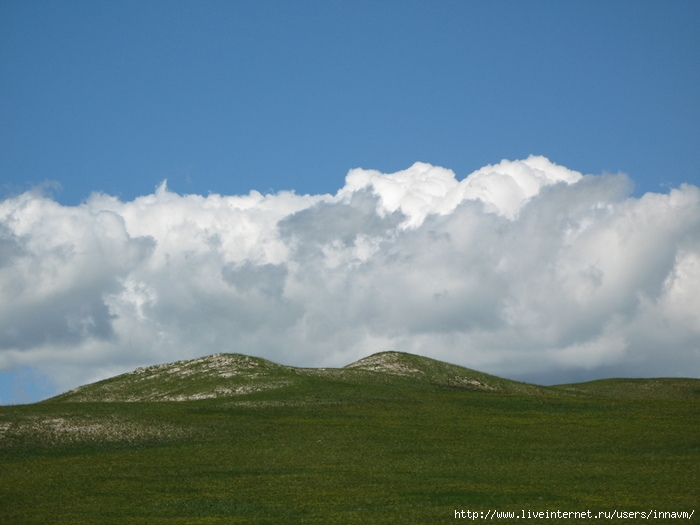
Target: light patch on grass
471,384
74,430
223,392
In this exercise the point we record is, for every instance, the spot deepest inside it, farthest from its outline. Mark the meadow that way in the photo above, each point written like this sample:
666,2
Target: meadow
352,446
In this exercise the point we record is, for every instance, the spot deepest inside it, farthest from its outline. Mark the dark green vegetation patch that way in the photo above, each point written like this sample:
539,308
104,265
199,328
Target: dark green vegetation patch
394,438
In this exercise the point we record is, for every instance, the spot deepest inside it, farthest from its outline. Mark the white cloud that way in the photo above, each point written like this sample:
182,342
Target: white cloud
524,269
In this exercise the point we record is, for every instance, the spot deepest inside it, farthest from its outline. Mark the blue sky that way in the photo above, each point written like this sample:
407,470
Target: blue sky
230,96
574,277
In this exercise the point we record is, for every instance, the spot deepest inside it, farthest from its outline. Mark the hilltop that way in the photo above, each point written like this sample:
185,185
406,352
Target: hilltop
235,375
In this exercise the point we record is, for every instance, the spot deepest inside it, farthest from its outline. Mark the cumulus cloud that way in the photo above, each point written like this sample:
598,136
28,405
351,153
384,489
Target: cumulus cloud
524,269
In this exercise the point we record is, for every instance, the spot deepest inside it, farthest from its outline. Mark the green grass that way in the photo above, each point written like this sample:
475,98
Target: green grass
348,446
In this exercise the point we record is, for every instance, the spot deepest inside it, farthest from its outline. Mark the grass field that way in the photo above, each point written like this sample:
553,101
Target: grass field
355,445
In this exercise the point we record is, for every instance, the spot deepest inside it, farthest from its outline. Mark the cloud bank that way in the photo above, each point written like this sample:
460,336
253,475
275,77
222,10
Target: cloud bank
524,269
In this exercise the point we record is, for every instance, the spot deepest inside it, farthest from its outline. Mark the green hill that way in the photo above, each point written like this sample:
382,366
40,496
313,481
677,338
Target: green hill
391,438
236,375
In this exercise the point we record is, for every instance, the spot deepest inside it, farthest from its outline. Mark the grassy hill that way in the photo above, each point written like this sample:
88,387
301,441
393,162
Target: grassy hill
233,375
392,438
